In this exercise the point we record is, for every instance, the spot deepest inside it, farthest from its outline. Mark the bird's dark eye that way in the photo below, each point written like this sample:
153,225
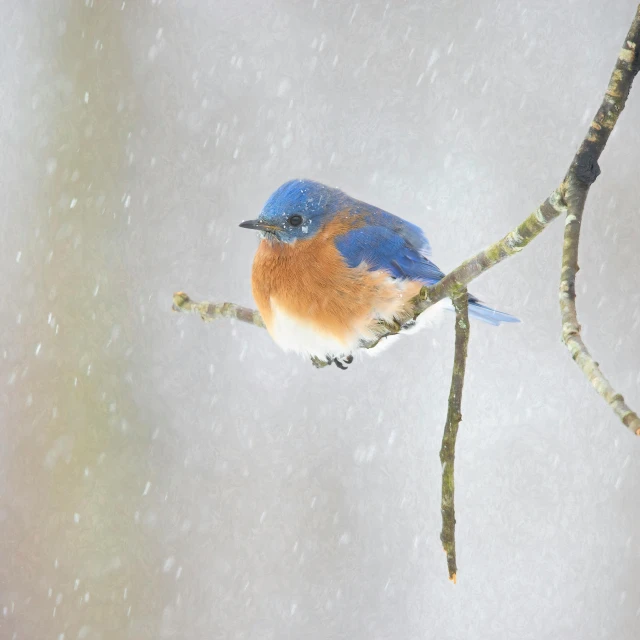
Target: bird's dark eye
295,221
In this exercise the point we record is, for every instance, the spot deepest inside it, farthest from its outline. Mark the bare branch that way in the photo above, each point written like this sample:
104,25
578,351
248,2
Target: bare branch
583,172
454,416
511,244
210,312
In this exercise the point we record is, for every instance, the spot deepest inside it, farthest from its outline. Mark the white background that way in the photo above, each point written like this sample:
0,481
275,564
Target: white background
163,478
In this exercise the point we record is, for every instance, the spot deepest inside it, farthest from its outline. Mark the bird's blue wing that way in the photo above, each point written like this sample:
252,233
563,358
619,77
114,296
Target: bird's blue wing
381,247
409,232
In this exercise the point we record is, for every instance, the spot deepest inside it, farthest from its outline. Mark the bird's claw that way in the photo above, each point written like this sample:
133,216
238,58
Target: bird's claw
340,362
343,362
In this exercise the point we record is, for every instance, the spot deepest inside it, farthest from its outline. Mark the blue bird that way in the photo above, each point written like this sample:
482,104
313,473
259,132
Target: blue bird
329,268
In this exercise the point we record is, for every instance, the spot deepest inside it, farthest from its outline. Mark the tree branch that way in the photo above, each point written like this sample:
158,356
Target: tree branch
511,244
209,311
454,416
582,174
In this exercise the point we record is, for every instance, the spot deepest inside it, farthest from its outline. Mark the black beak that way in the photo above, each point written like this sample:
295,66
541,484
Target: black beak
258,225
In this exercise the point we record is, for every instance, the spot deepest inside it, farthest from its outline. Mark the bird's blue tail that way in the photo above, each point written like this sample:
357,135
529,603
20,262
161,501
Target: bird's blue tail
487,314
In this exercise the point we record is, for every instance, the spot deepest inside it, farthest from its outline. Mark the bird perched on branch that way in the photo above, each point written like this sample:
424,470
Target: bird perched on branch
330,268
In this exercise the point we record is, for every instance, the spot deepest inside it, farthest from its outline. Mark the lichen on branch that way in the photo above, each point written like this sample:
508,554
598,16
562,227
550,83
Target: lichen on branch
581,175
210,311
454,417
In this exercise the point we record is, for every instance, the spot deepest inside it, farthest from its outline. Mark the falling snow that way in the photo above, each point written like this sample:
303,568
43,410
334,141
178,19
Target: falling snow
166,478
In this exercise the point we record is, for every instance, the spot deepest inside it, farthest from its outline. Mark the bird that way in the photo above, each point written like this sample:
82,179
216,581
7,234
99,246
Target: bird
330,269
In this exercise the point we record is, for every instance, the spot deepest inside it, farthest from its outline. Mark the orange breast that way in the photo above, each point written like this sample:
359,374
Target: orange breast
310,281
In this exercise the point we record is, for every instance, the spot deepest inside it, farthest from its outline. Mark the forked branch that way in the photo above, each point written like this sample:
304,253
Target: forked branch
582,173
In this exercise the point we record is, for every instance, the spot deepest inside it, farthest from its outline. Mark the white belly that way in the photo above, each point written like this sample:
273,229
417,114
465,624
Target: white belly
294,334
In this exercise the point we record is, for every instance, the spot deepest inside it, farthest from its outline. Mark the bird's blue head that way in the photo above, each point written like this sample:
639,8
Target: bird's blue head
296,211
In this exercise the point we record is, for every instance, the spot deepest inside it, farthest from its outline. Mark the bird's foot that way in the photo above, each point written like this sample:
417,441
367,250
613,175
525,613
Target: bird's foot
319,363
343,361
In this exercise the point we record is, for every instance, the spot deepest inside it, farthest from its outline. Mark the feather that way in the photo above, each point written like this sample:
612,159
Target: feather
392,250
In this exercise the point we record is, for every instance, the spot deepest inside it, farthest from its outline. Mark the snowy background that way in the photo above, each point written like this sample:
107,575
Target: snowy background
163,478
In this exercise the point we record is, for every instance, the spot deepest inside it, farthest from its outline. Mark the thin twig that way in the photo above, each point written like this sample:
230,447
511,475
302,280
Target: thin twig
583,172
509,245
454,416
209,311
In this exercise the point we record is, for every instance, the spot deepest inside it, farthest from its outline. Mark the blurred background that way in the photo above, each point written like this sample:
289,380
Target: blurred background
163,478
